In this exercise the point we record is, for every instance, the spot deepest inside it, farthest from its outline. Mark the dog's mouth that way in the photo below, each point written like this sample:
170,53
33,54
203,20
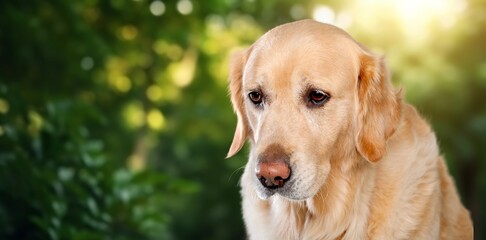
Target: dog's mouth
288,190
300,185
276,174
267,192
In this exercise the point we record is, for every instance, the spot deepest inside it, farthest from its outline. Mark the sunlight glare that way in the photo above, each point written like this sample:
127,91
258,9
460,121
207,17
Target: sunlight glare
418,12
416,17
324,14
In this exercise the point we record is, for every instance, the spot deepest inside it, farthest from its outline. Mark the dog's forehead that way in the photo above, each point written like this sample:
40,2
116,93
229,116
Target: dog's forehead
301,50
305,33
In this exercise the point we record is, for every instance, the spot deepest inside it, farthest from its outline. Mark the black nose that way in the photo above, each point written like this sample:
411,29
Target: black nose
273,168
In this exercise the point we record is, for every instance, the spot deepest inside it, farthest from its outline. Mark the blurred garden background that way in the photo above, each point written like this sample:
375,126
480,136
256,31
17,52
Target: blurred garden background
115,118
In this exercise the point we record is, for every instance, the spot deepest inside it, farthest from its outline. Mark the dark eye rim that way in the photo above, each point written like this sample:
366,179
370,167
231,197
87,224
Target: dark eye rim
256,97
317,97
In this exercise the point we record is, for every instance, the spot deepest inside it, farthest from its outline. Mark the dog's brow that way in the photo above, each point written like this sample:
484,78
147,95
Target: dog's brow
253,87
255,83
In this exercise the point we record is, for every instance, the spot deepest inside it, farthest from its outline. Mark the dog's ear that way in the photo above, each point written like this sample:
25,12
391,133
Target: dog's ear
378,107
237,66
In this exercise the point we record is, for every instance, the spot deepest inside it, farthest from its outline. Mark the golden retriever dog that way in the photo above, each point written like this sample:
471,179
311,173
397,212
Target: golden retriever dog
335,152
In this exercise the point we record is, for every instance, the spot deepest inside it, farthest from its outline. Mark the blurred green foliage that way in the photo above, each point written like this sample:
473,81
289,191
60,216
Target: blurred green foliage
115,117
56,183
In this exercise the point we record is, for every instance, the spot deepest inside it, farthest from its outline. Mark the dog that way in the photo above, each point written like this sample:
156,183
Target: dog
335,151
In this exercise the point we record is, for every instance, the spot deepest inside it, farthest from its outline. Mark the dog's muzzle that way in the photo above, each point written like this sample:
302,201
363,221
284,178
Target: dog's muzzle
272,169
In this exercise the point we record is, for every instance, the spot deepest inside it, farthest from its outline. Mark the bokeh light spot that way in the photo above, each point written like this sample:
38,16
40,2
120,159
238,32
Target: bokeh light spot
120,83
183,71
136,163
157,8
172,51
154,93
155,119
184,7
4,106
134,115
87,63
36,122
129,32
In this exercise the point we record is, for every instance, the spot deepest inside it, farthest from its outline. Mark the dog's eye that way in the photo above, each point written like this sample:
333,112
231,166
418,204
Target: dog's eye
256,97
317,98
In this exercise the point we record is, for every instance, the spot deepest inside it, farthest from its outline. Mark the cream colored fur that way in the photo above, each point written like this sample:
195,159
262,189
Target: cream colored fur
365,165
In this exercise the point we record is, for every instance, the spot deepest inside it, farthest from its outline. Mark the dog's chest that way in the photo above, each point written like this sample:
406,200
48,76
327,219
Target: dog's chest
295,221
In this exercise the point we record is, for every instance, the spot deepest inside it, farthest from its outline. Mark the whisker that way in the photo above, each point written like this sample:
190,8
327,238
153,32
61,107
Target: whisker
235,171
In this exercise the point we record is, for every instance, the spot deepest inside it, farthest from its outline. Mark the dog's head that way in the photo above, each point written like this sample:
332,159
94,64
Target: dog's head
307,95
